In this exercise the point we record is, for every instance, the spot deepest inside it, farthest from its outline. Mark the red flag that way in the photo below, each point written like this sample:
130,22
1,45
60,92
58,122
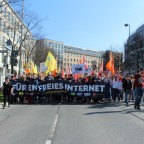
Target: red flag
101,67
63,73
83,61
70,71
67,70
92,72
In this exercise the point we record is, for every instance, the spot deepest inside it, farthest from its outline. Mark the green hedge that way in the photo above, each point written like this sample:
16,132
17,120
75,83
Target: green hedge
1,97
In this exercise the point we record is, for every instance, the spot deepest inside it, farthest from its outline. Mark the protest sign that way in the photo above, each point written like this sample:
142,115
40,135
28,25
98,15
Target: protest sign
117,85
78,69
43,68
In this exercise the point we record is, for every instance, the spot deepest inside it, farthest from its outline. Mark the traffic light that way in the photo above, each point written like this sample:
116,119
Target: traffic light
14,60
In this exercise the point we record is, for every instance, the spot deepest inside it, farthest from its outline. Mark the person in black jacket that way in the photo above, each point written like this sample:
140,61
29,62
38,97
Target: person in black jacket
127,86
7,91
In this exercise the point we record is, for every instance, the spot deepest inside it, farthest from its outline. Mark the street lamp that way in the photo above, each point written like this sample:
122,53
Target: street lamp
128,25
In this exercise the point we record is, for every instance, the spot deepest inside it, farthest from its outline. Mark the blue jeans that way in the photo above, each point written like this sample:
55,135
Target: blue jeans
138,95
127,94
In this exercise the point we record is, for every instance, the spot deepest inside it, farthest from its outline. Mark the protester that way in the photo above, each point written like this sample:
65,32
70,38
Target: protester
7,90
127,85
116,91
106,79
49,77
107,88
133,88
138,84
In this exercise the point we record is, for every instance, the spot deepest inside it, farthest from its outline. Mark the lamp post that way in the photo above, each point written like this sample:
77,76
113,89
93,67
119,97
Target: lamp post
128,25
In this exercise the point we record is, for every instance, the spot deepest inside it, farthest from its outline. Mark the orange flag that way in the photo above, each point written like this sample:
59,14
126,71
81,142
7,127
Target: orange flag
110,64
54,72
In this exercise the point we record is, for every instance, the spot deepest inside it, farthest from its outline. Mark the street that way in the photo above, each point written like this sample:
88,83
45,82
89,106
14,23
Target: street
71,124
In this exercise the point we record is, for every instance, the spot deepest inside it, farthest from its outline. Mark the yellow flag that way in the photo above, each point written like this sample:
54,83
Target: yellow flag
35,69
51,62
31,65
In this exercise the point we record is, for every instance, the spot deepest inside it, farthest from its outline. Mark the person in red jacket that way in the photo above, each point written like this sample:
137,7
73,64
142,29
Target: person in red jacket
85,78
138,84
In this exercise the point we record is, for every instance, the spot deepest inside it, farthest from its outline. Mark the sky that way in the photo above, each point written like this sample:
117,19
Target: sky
89,24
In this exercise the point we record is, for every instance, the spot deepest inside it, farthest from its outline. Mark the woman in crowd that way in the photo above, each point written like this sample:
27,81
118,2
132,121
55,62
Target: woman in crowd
7,90
116,91
127,86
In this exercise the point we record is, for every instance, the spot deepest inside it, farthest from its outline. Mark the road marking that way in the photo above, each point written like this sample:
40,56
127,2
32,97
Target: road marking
52,129
53,126
48,142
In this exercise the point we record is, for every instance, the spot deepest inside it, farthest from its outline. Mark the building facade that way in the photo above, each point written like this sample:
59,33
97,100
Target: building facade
57,47
68,55
14,36
134,51
72,55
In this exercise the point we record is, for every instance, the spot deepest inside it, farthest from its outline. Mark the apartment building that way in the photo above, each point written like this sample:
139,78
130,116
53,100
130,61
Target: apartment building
72,55
14,36
69,55
134,51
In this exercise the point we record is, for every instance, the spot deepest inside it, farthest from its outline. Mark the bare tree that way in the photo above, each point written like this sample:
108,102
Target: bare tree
41,52
8,2
21,34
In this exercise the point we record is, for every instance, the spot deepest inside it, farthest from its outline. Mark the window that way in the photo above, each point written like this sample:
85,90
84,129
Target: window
5,12
9,16
12,19
0,8
3,41
0,24
4,26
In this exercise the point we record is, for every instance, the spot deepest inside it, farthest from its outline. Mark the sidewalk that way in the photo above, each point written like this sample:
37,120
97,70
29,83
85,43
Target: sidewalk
130,109
1,107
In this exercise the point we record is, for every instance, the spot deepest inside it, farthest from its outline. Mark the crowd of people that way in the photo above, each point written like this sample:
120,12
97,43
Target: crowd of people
132,89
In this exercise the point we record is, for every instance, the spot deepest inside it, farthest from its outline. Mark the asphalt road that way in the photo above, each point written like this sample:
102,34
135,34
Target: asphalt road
71,124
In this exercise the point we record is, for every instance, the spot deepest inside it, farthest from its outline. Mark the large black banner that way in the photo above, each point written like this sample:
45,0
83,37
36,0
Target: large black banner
59,86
